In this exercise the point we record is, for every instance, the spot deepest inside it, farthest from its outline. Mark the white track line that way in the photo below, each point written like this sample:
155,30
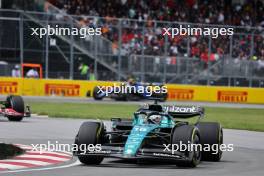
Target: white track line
46,152
11,166
65,152
25,147
30,149
76,163
43,157
40,163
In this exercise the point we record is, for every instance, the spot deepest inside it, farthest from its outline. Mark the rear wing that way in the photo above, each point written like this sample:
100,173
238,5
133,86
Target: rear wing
183,111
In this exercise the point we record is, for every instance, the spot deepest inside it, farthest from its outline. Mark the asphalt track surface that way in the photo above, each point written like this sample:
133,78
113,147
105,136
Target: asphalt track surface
246,159
109,101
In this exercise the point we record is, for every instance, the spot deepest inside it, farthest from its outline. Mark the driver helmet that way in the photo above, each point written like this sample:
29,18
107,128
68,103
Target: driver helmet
156,118
131,81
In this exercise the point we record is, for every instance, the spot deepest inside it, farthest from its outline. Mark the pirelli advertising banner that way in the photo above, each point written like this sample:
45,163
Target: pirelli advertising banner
48,87
216,94
70,88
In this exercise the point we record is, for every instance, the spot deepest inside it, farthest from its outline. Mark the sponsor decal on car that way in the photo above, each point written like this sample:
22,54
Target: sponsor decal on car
180,109
165,155
68,90
8,87
232,96
99,152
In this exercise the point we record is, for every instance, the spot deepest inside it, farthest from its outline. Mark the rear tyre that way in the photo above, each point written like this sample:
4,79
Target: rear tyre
211,135
119,97
187,134
90,133
96,94
17,104
134,97
161,96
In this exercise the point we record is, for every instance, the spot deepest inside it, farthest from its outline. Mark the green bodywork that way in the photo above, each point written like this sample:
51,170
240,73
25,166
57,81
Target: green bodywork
141,128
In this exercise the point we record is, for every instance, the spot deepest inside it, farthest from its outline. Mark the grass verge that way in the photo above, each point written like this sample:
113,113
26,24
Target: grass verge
236,118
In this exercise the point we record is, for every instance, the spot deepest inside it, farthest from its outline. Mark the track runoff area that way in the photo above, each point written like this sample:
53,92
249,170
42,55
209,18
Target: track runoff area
244,159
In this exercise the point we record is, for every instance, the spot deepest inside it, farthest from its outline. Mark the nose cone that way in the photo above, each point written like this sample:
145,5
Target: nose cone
135,139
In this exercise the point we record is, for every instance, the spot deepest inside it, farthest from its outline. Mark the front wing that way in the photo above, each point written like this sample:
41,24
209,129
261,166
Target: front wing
144,153
11,112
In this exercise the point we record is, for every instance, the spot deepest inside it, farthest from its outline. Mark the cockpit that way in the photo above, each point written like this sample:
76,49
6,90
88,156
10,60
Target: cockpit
151,118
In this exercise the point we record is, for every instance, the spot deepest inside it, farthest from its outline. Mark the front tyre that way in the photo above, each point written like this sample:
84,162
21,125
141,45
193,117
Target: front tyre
97,95
90,133
16,103
185,135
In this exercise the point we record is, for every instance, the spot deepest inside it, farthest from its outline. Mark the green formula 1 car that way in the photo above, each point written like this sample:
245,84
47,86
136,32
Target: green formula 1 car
156,132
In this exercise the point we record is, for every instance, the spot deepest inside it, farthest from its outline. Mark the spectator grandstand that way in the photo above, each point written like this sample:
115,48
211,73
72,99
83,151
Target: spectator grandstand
132,40
250,13
154,12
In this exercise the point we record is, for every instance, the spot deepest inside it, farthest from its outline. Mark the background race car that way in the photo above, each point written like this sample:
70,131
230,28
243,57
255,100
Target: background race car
14,109
133,92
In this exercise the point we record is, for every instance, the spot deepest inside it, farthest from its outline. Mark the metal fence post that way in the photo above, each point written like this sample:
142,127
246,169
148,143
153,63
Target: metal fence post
251,58
230,56
209,62
142,60
47,51
21,40
95,60
188,46
71,55
120,48
164,59
252,45
188,59
231,46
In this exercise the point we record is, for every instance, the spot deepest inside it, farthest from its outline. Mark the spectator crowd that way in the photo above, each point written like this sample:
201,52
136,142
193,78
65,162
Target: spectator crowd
142,23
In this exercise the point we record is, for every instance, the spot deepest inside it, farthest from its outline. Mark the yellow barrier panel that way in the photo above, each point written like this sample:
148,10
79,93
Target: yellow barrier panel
48,87
75,88
215,94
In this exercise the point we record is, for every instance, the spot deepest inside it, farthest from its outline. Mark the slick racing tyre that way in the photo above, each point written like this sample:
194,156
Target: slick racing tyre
161,96
187,134
133,97
119,97
211,136
16,103
96,94
90,133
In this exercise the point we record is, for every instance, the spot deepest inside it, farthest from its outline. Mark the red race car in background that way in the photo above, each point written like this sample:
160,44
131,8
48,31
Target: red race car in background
14,108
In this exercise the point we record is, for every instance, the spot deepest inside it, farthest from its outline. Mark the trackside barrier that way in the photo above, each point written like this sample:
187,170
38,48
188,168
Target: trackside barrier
49,87
216,94
74,88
